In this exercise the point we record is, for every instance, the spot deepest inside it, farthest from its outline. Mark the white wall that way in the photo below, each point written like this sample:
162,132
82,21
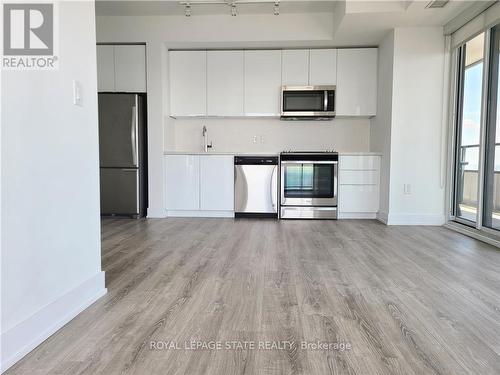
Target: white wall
50,224
272,135
414,133
380,129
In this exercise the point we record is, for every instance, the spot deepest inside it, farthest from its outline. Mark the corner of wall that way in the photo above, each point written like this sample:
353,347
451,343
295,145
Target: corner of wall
31,332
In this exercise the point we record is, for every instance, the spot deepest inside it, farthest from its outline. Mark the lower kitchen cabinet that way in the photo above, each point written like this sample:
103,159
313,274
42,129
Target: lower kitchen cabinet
199,185
217,182
359,186
182,174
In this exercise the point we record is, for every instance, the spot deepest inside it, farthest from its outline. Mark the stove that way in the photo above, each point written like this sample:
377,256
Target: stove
309,184
308,152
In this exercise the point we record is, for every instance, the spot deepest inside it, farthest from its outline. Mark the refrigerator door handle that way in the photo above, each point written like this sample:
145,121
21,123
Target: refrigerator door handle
133,135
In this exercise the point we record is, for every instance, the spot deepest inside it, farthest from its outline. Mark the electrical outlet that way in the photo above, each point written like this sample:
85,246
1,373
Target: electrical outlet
262,139
254,139
407,189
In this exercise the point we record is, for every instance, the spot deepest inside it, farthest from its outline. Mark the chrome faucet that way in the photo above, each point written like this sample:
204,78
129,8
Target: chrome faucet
206,146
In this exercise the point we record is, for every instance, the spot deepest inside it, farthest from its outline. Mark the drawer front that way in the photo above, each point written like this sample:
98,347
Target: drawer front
359,162
358,177
358,198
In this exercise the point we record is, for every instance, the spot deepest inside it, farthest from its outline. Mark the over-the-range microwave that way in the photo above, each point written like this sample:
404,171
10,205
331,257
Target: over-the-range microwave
307,102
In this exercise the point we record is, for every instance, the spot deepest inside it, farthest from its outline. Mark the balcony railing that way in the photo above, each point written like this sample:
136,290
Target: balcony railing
469,159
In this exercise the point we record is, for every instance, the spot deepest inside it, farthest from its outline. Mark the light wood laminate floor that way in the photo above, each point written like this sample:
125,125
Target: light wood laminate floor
408,300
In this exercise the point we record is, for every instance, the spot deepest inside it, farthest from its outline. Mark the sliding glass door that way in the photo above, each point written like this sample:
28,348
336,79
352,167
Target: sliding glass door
468,145
491,207
476,190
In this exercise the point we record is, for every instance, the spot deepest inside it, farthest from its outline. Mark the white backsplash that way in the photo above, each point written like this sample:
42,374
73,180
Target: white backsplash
268,135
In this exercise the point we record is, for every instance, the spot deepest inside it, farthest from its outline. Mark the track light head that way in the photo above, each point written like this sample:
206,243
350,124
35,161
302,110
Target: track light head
187,10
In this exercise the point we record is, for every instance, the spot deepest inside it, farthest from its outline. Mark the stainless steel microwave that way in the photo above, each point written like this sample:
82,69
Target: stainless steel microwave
307,102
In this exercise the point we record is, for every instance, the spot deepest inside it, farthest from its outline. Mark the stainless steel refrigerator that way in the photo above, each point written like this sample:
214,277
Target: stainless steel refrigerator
122,154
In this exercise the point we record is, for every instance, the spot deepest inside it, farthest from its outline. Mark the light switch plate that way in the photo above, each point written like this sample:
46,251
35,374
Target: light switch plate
77,93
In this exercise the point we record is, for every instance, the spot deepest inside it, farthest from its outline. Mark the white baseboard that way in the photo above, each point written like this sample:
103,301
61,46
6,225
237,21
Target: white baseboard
195,213
156,213
415,219
357,215
382,217
27,335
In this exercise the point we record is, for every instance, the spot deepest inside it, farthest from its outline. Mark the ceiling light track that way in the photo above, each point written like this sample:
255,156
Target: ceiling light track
232,4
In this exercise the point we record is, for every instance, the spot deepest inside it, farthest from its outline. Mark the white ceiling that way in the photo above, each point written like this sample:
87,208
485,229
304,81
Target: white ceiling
355,22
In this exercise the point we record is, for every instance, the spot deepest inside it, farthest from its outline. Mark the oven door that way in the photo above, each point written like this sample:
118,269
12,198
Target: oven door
309,183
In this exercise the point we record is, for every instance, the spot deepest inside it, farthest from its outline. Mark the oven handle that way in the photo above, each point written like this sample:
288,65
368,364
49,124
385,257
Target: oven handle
308,162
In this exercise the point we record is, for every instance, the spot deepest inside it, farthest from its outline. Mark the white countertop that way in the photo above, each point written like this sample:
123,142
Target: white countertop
360,153
354,153
219,153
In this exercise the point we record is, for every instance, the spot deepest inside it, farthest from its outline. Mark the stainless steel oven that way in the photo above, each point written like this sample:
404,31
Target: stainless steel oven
309,185
307,102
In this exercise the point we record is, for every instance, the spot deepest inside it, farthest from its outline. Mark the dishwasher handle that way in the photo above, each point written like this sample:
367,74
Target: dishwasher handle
274,188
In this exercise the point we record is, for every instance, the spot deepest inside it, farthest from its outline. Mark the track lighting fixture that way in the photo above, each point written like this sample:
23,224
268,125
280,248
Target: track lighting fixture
230,3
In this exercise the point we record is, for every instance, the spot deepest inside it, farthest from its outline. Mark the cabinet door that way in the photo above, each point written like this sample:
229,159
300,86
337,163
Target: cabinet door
182,182
105,68
225,83
130,68
323,67
357,82
217,182
358,198
262,83
188,83
295,67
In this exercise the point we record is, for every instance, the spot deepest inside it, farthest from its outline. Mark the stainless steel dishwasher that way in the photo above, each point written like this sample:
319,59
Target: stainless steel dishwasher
256,186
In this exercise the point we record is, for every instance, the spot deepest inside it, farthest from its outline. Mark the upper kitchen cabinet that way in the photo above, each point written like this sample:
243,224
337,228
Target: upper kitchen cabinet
295,67
262,83
105,68
121,68
225,83
188,83
323,67
357,82
130,68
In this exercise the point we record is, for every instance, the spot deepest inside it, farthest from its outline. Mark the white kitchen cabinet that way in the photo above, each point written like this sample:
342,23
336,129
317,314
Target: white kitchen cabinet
295,67
356,82
360,162
359,186
358,200
121,68
188,83
105,68
217,182
182,174
323,67
130,68
199,185
262,83
225,80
